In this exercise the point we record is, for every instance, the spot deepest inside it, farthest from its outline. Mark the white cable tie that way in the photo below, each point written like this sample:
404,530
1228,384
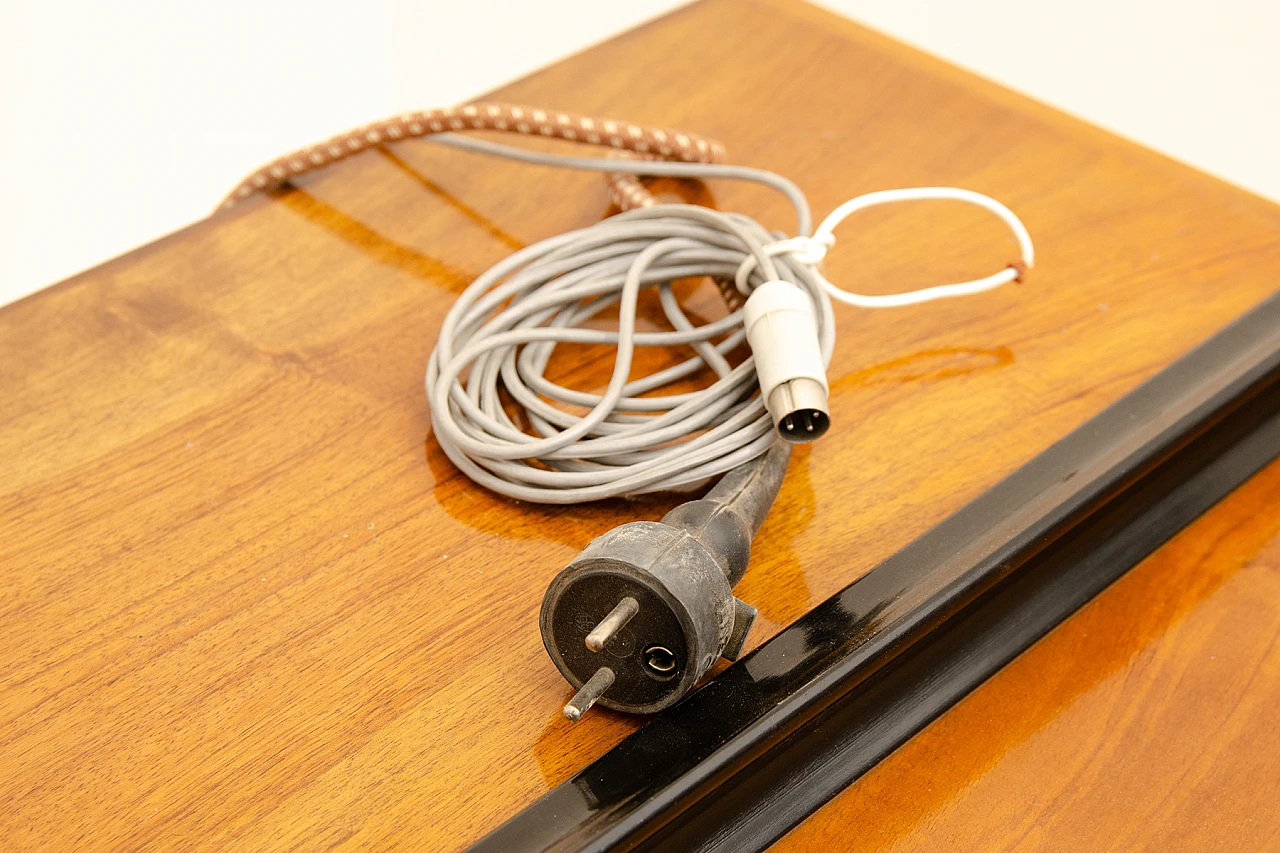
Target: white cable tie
811,250
1011,272
807,250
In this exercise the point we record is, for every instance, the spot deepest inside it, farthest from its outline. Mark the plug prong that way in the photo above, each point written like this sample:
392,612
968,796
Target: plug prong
610,625
590,692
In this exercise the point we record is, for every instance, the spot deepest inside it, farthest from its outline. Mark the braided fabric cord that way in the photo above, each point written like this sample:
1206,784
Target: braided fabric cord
623,138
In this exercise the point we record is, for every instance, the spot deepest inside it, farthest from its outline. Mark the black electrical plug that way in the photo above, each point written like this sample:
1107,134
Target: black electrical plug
645,609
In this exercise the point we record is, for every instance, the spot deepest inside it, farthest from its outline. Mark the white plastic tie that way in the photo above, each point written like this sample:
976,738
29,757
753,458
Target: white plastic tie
812,250
807,250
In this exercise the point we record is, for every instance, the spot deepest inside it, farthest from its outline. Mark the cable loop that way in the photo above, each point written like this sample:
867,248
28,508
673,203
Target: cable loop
635,435
510,428
1010,272
812,250
495,413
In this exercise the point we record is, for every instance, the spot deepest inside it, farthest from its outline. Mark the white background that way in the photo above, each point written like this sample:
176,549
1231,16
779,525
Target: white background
122,121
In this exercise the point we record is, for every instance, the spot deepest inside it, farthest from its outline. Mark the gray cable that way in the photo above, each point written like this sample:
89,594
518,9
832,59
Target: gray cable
650,168
503,329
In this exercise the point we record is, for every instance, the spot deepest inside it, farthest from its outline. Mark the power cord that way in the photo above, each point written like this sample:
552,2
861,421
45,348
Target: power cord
640,616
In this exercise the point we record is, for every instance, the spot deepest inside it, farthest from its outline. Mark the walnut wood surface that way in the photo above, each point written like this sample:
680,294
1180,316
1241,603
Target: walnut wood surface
246,603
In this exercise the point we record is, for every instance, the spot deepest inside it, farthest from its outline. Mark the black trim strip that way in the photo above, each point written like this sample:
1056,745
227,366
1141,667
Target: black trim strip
757,749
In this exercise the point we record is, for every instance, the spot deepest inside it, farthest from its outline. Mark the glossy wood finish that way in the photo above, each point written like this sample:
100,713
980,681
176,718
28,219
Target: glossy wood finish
242,607
1145,722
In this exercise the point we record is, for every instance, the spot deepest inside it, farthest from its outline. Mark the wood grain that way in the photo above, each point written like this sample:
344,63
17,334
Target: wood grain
244,594
1145,722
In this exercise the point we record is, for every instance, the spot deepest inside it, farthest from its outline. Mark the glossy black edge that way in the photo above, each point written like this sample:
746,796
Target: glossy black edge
758,748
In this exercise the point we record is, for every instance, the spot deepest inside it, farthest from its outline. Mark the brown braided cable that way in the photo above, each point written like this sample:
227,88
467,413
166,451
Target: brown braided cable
623,138
625,191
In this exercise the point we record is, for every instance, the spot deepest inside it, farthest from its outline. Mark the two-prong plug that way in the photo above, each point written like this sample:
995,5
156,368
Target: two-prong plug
644,611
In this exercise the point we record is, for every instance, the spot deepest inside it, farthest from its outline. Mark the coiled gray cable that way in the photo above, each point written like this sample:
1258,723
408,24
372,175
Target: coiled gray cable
501,333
